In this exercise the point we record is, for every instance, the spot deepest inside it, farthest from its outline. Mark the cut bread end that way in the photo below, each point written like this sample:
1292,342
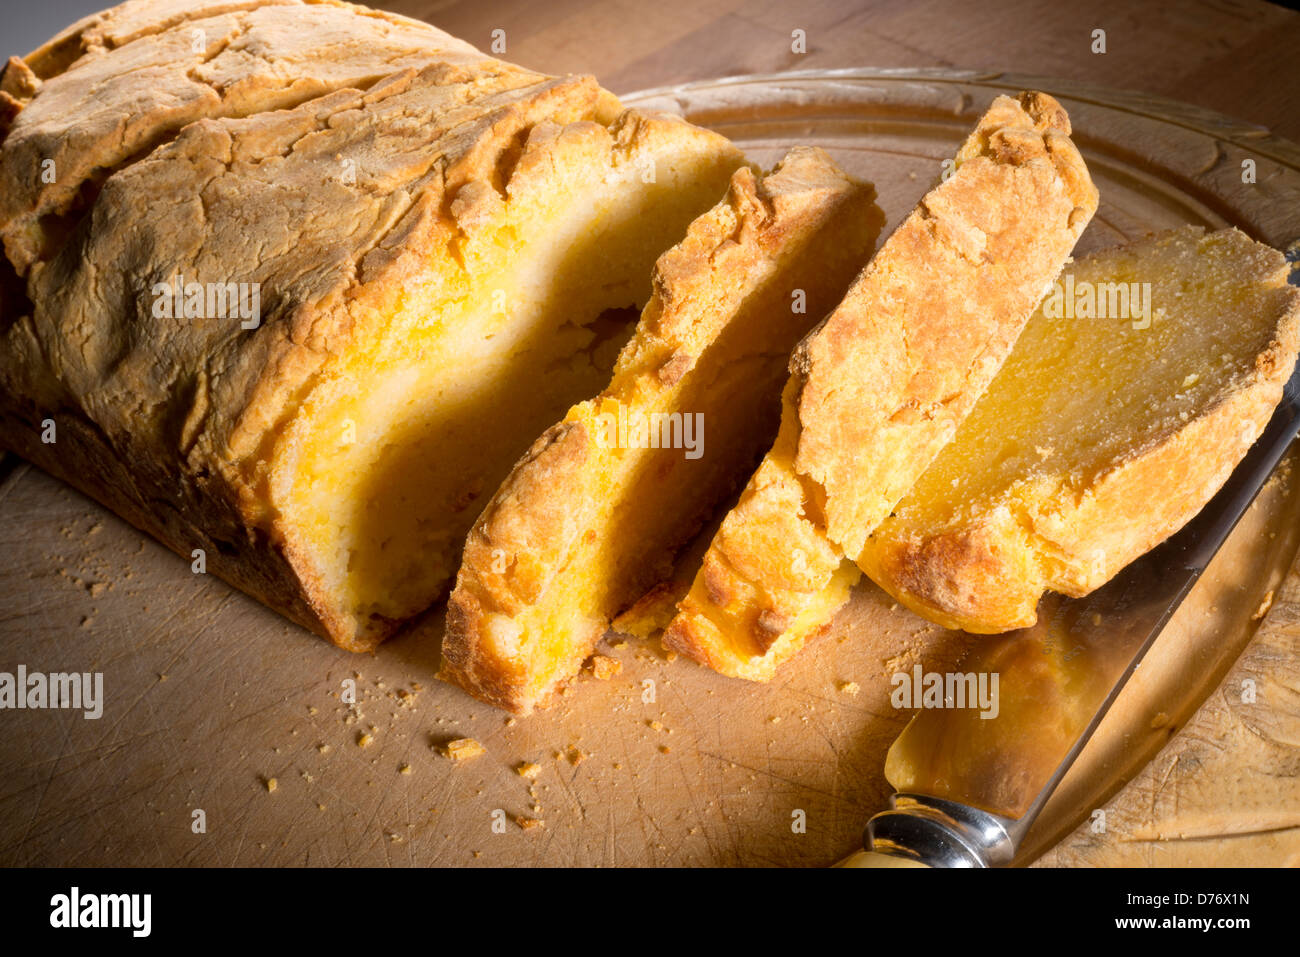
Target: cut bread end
382,471
1133,392
592,517
377,265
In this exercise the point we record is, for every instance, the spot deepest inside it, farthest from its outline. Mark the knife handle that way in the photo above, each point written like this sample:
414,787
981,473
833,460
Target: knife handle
934,832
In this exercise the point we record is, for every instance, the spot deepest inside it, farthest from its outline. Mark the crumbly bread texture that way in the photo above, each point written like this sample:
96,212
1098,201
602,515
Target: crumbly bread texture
590,519
444,248
1102,435
882,385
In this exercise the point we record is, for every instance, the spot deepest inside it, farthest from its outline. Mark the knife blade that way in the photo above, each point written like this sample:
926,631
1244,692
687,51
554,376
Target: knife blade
968,788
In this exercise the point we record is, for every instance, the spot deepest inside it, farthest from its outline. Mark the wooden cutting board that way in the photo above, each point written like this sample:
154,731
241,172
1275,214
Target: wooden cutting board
215,704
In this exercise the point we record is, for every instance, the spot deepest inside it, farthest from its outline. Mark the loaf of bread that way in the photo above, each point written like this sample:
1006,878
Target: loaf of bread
592,517
1130,397
291,285
882,385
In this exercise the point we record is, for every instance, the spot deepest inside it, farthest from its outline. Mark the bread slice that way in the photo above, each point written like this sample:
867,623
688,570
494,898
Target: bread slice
881,386
590,518
1103,434
439,260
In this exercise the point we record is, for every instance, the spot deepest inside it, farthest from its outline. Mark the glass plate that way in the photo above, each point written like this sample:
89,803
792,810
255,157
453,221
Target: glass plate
1157,164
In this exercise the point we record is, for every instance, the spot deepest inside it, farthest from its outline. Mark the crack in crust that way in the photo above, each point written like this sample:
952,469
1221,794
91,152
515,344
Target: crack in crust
140,80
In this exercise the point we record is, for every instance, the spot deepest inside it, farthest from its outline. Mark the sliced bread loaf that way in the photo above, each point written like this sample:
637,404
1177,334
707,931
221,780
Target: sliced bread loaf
1130,397
593,515
299,346
882,385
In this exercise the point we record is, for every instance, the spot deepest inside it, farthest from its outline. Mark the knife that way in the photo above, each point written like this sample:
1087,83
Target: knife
969,789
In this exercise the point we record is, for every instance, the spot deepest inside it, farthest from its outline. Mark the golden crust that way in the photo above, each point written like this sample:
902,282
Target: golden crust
531,514
986,571
103,32
770,576
726,285
879,387
253,59
923,331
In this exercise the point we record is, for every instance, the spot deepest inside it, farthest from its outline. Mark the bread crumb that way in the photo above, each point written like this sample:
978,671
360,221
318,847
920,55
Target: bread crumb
899,663
526,769
603,667
665,749
654,725
323,748
364,739
1264,606
403,769
1159,721
670,655
849,687
528,823
462,749
272,784
576,756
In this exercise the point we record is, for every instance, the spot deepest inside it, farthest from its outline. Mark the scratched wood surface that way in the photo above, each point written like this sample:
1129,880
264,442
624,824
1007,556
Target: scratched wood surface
210,697
1232,56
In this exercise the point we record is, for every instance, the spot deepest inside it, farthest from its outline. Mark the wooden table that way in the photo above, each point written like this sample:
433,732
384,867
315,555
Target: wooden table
216,704
1192,805
1234,56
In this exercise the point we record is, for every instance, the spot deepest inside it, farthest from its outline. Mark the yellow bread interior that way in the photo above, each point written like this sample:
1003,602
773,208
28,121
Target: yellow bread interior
711,348
774,536
1101,436
386,465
